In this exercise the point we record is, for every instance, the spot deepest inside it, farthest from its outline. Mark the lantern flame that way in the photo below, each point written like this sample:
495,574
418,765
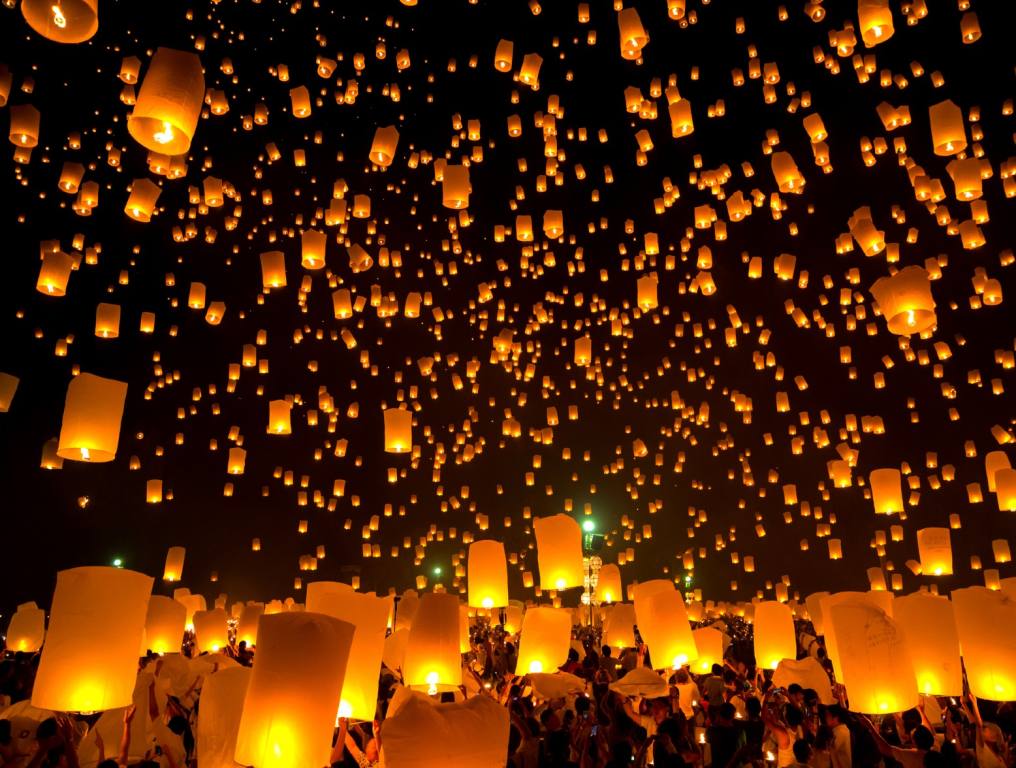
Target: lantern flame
58,18
165,135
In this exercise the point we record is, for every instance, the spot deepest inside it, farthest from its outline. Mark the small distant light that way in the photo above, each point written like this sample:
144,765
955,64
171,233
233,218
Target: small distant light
437,570
588,526
117,562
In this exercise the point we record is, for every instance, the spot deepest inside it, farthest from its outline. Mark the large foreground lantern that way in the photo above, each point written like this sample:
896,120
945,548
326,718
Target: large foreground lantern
608,584
27,629
559,551
398,430
168,106
433,662
619,626
775,639
929,626
663,623
487,575
289,709
876,21
222,697
369,614
90,659
874,661
905,301
62,21
164,625
90,430
544,640
709,644
984,619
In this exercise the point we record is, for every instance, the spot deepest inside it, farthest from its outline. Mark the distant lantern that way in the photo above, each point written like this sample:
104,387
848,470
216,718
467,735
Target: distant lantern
775,639
875,20
273,270
503,55
935,551
559,551
398,430
948,134
279,414
433,662
487,575
382,148
709,644
288,718
788,177
313,244
633,35
608,584
648,287
455,187
210,630
928,623
663,623
886,491
142,200
544,640
24,131
27,629
173,570
247,627
299,98
681,122
55,273
62,21
168,106
107,321
165,622
873,660
905,301
619,626
90,430
8,386
236,461
583,350
989,654
96,623
1005,489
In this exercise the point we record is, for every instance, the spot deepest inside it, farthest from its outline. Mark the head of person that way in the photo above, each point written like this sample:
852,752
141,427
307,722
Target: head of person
922,738
792,715
682,676
573,656
795,693
659,709
726,713
718,670
834,715
802,751
605,651
753,707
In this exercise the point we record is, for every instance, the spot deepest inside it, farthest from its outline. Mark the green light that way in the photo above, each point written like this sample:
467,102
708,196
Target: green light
117,562
588,526
437,570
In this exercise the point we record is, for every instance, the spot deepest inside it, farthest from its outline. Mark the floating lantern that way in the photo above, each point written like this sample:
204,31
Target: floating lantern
382,148
210,630
544,640
989,652
905,301
90,430
875,20
432,661
142,200
886,491
313,249
1005,489
709,645
935,550
273,270
279,413
27,629
929,626
222,697
559,552
62,21
455,187
54,273
247,627
487,575
608,584
24,131
173,570
398,430
619,626
775,639
948,135
169,102
633,35
165,622
663,623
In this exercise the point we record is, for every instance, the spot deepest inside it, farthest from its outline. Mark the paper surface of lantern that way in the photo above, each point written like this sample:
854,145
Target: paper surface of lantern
775,639
289,708
27,629
874,661
8,386
928,623
369,614
608,584
875,20
90,658
662,621
211,633
62,21
55,273
168,106
165,622
989,654
619,626
808,673
559,551
487,575
544,640
90,430
222,697
173,570
935,550
433,662
905,301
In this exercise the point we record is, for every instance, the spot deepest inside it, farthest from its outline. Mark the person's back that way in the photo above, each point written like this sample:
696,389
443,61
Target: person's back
723,736
713,688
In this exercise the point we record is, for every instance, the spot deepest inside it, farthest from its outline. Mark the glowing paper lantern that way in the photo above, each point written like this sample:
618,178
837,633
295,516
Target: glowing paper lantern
26,629
633,35
709,646
279,417
247,627
8,386
142,200
875,20
169,102
210,630
90,430
647,293
874,661
619,626
1005,489
173,571
62,21
487,575
989,651
314,245
775,639
813,602
886,492
544,640
935,550
165,622
905,301
948,135
807,673
369,614
55,273
90,659
559,551
455,187
398,430
608,584
432,661
273,269
222,697
382,148
289,709
663,623
928,623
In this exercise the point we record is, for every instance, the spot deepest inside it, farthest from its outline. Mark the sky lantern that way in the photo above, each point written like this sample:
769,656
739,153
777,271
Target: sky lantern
279,415
929,626
313,243
583,350
709,646
433,662
619,626
455,187
544,640
559,551
487,575
886,491
8,386
173,570
26,630
165,622
62,21
1005,489
54,273
935,550
633,35
948,134
273,270
107,321
237,460
210,630
247,627
788,177
96,623
289,709
875,19
905,301
222,696
503,55
775,638
168,106
608,584
90,430
398,430
142,200
24,131
874,660
382,148
662,621
989,655
681,121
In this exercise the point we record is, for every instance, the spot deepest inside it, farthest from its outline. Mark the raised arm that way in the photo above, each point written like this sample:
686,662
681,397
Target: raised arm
125,739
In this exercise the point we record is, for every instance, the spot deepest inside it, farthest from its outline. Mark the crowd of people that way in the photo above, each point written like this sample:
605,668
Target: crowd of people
734,716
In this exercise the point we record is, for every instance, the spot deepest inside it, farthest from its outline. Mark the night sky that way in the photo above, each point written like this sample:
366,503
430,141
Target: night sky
624,396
